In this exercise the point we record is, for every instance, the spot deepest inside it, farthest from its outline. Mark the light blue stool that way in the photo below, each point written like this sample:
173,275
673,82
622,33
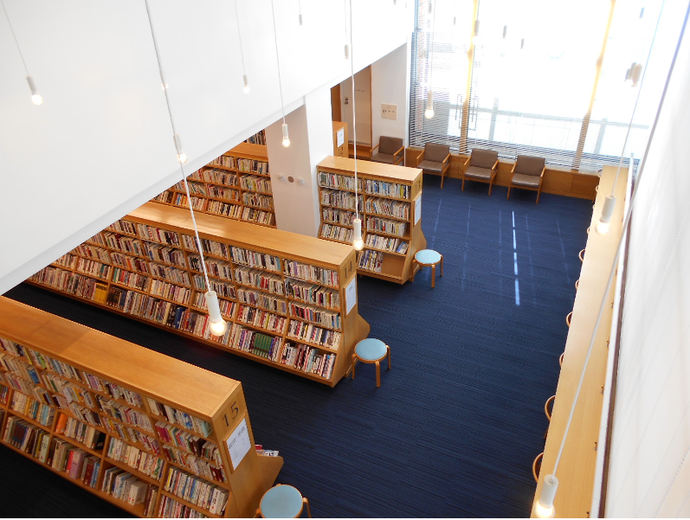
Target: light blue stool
374,351
428,257
282,501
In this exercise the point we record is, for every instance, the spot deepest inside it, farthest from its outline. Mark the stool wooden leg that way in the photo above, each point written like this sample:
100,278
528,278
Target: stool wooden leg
306,503
389,356
433,276
354,360
442,260
414,268
378,374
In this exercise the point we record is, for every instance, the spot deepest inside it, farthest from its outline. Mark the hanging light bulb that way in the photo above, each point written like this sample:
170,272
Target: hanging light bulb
357,241
543,508
476,39
347,51
218,325
606,214
181,156
286,137
429,113
36,98
246,84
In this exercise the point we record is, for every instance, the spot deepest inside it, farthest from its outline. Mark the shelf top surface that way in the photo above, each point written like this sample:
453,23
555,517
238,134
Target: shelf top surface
258,151
243,234
114,359
389,171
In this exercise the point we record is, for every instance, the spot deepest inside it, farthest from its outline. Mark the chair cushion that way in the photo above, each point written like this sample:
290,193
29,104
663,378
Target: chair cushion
483,158
389,145
431,166
435,152
528,165
385,158
473,172
526,181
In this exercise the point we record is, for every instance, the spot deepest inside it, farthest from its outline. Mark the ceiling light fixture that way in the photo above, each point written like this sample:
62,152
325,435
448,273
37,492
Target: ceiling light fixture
217,324
286,137
36,98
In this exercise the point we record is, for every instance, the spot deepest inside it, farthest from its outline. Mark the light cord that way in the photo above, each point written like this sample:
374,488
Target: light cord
15,37
239,37
624,228
354,111
172,124
275,40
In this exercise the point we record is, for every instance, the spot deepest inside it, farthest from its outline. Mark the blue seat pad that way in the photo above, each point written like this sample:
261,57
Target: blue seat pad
370,349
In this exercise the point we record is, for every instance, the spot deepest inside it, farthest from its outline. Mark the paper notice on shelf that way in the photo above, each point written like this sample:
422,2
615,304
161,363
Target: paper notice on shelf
417,209
239,444
340,137
351,295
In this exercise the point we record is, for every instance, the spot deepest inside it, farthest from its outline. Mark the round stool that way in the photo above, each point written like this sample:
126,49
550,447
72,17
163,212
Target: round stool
371,350
428,257
282,501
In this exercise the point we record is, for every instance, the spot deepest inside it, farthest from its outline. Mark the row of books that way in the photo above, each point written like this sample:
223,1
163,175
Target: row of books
28,438
390,227
188,441
227,161
94,252
31,408
258,216
309,360
394,245
314,294
223,177
71,283
171,508
140,460
93,268
262,300
198,466
256,343
340,199
257,200
125,413
371,260
272,283
388,208
130,279
196,491
262,319
337,216
223,193
132,263
209,247
184,419
316,315
124,486
311,333
165,254
251,258
81,432
370,186
254,183
337,181
248,165
170,291
122,243
338,233
310,273
154,234
216,207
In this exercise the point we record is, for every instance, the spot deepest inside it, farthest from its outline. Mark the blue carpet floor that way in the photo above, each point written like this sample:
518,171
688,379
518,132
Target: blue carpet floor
454,428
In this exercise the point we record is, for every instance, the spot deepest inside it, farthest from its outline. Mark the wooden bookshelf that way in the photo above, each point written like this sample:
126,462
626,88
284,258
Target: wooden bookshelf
291,300
389,199
94,409
236,185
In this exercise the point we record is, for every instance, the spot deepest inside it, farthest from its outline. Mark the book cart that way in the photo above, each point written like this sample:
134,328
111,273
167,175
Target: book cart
236,185
149,433
290,299
389,200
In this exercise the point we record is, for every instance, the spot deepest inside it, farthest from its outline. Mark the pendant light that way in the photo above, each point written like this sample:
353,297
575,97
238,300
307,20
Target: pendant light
36,98
347,46
429,113
286,136
239,37
217,324
357,241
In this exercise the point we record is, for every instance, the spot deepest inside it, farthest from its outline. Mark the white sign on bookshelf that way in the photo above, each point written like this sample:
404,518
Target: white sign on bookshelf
417,209
351,295
239,443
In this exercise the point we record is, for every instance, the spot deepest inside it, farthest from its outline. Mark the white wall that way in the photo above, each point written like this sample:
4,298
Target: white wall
390,84
649,470
101,143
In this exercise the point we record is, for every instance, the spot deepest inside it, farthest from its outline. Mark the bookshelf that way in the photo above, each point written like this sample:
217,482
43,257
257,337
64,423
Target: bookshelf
236,185
389,201
126,423
290,299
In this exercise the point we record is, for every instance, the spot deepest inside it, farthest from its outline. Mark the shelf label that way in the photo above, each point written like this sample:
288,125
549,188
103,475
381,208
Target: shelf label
351,295
417,209
239,443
